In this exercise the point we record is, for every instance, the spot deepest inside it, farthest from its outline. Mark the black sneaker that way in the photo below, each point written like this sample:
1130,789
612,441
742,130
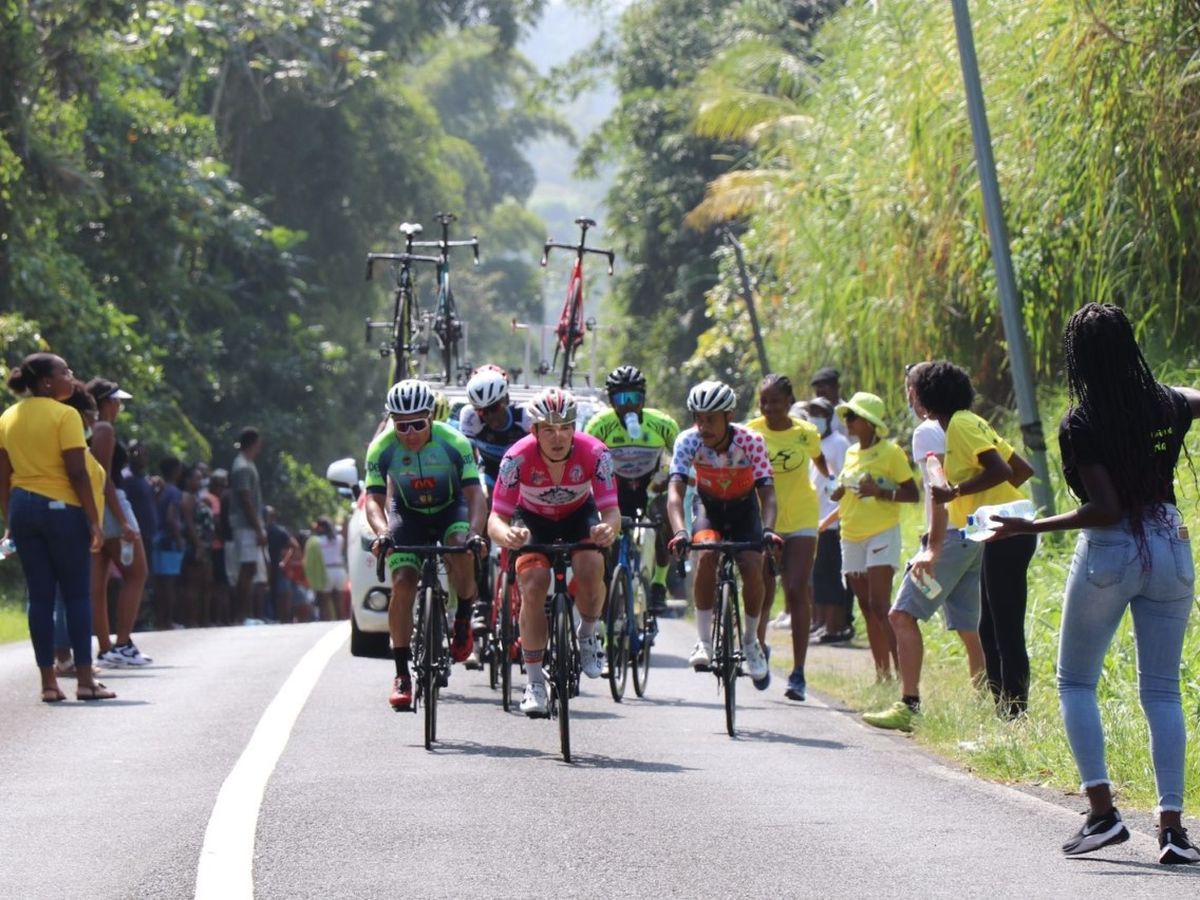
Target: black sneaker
658,598
1097,832
1175,848
481,617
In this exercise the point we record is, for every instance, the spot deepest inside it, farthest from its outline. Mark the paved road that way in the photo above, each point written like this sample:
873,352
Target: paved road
113,800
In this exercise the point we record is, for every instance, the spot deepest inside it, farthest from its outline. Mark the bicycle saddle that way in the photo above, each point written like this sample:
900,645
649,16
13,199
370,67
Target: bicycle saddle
584,220
410,228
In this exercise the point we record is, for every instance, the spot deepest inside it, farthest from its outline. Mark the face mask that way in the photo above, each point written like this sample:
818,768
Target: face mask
821,423
87,433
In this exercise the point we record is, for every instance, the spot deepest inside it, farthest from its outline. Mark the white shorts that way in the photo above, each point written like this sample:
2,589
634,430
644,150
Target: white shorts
881,549
243,550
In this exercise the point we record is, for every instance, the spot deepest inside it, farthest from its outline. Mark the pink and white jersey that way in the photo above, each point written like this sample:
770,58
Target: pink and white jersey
730,474
524,481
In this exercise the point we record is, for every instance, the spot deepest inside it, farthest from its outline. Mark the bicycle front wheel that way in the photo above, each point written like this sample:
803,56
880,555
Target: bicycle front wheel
646,626
435,650
503,609
618,625
728,655
563,635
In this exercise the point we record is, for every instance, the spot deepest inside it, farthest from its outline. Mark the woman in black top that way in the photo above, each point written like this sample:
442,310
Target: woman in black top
1120,441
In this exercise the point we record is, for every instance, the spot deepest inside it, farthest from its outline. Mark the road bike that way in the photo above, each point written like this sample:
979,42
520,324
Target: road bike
630,625
501,646
727,654
405,325
571,325
561,661
444,323
431,629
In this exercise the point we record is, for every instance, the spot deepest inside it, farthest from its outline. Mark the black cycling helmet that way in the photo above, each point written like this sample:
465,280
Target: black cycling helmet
625,378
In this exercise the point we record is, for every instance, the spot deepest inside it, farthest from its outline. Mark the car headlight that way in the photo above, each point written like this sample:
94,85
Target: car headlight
377,599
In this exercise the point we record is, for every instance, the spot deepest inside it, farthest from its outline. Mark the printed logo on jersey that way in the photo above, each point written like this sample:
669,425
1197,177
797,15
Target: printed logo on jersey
604,468
787,460
510,470
555,496
575,473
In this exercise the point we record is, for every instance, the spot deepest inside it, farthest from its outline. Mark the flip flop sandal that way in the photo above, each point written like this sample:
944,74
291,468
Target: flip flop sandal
53,695
96,691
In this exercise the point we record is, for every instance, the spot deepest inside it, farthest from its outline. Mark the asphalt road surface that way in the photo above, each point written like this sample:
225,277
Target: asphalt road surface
265,761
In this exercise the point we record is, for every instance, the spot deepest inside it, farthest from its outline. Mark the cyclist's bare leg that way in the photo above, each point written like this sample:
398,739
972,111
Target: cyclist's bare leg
750,565
400,610
705,582
535,585
588,569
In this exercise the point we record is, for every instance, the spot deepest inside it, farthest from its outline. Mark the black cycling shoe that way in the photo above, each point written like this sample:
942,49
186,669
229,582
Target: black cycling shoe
658,598
481,617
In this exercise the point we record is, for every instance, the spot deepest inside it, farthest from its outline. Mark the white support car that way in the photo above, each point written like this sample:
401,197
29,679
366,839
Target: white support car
369,597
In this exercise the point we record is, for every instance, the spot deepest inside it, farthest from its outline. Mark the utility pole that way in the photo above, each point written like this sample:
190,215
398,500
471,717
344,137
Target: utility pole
727,233
1010,304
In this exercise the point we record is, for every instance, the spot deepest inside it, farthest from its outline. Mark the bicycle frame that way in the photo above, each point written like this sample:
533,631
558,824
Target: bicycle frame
403,326
571,324
445,323
629,634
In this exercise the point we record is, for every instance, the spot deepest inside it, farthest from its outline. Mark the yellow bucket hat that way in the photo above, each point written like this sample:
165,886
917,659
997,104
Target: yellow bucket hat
866,406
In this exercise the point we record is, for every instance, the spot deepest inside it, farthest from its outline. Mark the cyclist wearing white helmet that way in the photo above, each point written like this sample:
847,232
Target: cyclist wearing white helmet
735,501
492,424
555,484
435,496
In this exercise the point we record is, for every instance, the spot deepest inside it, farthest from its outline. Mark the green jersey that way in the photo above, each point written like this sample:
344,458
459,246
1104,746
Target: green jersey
635,458
426,480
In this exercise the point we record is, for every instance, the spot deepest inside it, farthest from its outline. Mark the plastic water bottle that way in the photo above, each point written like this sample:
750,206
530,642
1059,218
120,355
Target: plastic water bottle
980,526
7,548
633,426
830,485
935,471
127,553
927,585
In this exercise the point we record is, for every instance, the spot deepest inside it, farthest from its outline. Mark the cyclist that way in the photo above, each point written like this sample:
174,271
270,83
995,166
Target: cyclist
493,425
441,409
555,484
637,457
435,496
735,501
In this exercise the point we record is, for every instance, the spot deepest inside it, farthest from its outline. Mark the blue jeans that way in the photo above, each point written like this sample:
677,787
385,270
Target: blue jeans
54,546
1106,576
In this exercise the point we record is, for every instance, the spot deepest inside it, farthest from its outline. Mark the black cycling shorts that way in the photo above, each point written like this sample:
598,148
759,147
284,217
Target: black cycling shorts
737,520
414,529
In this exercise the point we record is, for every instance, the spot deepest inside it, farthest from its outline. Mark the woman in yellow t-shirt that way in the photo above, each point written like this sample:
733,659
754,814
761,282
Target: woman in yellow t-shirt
791,443
50,514
875,480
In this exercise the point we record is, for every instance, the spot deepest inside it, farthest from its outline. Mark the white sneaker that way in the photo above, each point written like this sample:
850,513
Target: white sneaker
110,659
131,656
701,657
535,703
782,621
754,660
591,656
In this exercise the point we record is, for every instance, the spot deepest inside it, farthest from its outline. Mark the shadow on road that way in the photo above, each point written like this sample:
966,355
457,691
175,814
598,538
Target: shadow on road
775,737
676,701
595,761
1133,869
495,751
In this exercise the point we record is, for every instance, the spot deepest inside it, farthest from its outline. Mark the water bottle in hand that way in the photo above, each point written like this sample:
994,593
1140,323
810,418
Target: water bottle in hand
980,526
7,548
926,584
633,426
126,553
935,471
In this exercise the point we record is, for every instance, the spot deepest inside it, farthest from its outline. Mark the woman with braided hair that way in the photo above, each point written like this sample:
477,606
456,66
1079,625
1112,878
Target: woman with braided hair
1120,441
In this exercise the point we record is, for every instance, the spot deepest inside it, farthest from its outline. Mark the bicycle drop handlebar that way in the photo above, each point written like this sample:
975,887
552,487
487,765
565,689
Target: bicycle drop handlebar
732,547
580,248
445,244
556,549
387,548
402,258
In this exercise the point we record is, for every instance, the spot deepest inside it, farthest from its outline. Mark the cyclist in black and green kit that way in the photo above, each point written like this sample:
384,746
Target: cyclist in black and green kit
428,470
637,437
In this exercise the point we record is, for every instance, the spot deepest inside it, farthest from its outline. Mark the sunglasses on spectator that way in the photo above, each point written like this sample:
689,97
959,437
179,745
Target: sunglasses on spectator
628,398
411,424
851,415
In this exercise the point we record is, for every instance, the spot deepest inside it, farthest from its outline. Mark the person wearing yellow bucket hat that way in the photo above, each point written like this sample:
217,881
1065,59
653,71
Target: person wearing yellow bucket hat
875,480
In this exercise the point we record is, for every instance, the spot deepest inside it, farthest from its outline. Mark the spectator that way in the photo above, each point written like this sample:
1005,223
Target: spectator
277,542
293,579
249,537
195,581
168,545
214,497
314,569
121,529
833,601
52,513
333,554
141,497
825,383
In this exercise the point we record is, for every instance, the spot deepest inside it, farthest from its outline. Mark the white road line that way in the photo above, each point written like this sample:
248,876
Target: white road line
226,869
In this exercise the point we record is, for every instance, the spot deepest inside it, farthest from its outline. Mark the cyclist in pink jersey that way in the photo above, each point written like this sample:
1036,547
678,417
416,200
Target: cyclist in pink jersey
556,485
735,501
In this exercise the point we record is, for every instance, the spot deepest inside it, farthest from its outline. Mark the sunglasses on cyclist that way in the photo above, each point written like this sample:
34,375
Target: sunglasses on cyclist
411,424
484,410
628,398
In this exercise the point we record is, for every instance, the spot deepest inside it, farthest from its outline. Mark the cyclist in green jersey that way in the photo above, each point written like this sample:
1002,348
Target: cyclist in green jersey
435,496
638,437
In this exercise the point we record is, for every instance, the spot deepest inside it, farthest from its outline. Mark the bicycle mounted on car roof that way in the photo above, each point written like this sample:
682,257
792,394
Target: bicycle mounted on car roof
571,325
444,323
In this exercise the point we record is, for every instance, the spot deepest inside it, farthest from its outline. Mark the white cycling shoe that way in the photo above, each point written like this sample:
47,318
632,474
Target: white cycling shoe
535,703
754,660
701,657
591,656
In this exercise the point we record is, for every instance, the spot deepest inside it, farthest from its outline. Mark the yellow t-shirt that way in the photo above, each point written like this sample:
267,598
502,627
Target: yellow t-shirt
35,432
863,517
966,438
97,476
790,450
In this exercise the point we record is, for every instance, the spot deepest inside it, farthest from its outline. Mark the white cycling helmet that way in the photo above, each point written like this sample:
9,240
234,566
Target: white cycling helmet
410,396
553,406
711,396
486,387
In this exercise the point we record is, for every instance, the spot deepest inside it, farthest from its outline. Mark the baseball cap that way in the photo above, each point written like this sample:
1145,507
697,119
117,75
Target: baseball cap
824,374
102,389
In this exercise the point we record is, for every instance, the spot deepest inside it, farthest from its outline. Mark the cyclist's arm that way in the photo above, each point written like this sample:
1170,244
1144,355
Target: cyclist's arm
676,488
477,507
377,519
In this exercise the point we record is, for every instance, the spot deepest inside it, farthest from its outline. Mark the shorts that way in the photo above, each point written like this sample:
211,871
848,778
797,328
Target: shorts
633,495
829,588
881,549
577,526
737,521
957,571
415,528
112,528
798,533
243,549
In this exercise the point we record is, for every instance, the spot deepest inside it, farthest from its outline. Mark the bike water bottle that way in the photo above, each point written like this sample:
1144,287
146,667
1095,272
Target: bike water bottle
633,426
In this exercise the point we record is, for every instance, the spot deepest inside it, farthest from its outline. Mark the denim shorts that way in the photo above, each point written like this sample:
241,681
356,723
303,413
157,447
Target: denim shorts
957,571
112,528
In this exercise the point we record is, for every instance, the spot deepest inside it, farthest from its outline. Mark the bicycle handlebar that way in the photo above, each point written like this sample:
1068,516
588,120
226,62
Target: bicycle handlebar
580,250
387,548
628,523
556,549
400,258
732,547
